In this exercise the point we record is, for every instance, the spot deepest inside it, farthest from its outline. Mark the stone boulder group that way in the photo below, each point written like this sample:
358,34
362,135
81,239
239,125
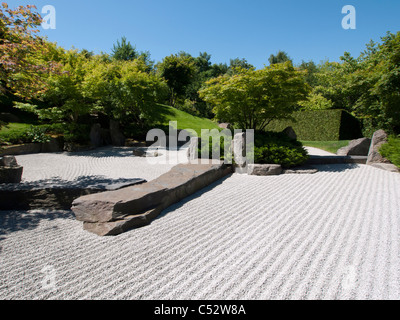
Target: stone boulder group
370,149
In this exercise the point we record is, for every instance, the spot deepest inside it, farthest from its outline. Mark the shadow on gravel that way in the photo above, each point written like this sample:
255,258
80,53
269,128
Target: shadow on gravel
94,181
104,152
13,221
336,167
118,152
56,193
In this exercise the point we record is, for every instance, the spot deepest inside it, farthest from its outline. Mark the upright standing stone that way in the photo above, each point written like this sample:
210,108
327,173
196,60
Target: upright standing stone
192,152
378,139
96,139
239,149
117,138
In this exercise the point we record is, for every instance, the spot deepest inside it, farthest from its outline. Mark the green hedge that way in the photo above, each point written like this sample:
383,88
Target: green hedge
322,125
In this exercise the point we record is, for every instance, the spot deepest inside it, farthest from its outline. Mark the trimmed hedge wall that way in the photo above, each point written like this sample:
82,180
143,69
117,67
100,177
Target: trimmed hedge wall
322,125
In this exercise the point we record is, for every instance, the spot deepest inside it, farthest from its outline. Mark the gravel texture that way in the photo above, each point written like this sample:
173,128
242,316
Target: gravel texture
330,235
103,163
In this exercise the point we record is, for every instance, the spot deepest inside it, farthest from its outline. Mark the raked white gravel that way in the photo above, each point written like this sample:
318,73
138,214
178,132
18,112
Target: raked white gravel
331,235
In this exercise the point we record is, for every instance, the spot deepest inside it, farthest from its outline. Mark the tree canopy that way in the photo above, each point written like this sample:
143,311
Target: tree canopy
124,50
253,98
23,54
280,57
68,85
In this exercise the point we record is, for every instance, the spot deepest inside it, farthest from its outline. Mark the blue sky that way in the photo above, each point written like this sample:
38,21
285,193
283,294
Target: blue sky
251,29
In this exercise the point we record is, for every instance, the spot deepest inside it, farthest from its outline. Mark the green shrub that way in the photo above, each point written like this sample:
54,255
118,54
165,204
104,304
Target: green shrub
320,125
37,134
391,150
269,148
13,137
278,148
18,134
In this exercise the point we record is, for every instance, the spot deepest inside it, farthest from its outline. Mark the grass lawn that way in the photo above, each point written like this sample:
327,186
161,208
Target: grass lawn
13,131
184,119
330,146
15,127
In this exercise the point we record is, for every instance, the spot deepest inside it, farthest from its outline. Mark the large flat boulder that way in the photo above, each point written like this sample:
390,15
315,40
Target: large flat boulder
114,212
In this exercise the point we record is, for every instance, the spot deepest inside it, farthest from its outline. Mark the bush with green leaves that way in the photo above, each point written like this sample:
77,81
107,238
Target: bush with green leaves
391,150
269,148
37,134
278,148
12,137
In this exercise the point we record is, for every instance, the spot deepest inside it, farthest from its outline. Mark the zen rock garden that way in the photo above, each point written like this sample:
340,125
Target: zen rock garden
111,208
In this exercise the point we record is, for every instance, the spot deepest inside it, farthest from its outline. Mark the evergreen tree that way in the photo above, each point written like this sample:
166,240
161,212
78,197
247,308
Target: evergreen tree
124,50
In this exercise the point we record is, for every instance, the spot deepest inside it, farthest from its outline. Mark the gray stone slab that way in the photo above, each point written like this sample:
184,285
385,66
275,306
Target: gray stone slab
110,213
264,169
301,170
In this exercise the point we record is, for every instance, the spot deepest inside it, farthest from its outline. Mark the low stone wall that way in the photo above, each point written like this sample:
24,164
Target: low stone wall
112,213
54,145
314,160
